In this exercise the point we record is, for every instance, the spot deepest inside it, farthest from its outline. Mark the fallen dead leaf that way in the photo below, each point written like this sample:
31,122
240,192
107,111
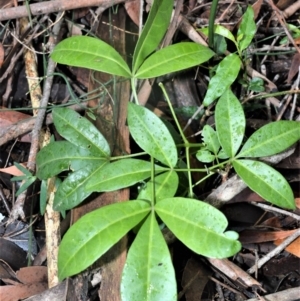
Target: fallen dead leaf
294,67
133,10
256,236
293,248
13,170
34,281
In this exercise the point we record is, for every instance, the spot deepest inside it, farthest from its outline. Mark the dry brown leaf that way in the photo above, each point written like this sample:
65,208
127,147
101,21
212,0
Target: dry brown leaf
297,202
1,54
294,67
33,274
34,281
234,272
194,279
9,117
133,10
293,248
13,170
255,236
256,8
21,291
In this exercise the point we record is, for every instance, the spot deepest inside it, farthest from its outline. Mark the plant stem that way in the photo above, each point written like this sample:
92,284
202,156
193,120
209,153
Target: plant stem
133,82
186,142
211,24
153,199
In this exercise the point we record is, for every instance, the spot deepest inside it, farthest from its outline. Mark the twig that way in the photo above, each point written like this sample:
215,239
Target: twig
281,20
47,7
274,252
274,209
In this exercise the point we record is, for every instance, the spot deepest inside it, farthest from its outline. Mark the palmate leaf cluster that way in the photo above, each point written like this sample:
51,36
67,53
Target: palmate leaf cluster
199,225
87,165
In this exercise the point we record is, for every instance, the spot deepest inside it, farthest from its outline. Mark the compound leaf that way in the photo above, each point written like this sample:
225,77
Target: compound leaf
198,225
91,53
80,131
149,267
151,134
174,58
166,185
271,139
95,233
230,122
265,181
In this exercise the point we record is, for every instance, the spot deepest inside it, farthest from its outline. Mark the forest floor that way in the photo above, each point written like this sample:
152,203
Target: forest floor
268,265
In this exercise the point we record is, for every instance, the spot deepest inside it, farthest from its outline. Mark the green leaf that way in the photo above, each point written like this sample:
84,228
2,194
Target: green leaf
90,53
226,74
63,155
256,84
198,225
271,139
205,156
174,58
120,174
265,181
210,138
79,131
24,170
151,134
230,123
72,190
26,184
246,30
166,185
148,273
43,197
155,28
95,233
222,31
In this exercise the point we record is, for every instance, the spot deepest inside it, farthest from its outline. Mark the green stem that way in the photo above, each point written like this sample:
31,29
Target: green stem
211,23
133,88
153,199
186,142
128,156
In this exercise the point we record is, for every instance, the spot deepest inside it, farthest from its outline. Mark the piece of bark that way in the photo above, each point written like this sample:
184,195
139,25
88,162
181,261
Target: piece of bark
110,120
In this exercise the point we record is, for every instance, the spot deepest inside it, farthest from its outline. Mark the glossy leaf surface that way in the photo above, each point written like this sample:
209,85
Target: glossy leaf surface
230,123
210,139
247,29
198,225
120,174
166,185
151,134
205,156
91,53
153,31
80,131
148,273
265,181
95,233
63,155
222,31
226,74
271,139
174,58
72,190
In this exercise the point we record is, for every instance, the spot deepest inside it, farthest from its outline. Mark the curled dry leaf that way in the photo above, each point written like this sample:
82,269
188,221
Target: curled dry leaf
133,10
